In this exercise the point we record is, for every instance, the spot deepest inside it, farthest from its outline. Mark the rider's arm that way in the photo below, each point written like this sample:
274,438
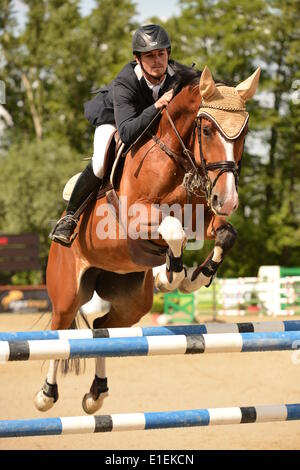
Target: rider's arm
129,118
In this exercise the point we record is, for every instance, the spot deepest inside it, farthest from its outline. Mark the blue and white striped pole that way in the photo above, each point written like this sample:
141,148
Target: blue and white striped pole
147,421
148,346
203,328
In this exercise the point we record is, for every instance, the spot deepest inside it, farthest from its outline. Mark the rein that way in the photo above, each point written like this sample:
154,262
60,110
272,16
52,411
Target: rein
196,182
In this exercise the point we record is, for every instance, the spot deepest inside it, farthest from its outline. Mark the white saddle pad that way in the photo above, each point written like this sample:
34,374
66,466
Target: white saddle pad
69,187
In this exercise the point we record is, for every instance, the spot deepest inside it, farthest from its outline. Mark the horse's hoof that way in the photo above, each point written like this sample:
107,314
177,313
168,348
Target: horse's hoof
187,287
161,285
184,290
42,402
90,405
192,283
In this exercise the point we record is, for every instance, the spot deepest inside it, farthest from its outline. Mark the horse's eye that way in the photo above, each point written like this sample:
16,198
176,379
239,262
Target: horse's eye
207,131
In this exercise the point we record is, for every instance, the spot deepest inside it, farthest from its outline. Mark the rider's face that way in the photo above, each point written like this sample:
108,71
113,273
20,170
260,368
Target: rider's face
154,64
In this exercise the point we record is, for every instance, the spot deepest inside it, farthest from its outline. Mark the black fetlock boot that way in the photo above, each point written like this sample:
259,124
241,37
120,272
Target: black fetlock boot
86,184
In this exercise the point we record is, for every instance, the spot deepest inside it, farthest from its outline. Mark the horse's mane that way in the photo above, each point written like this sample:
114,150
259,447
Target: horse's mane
184,76
188,76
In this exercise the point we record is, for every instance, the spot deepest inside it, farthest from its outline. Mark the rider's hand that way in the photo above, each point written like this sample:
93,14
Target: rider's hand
164,99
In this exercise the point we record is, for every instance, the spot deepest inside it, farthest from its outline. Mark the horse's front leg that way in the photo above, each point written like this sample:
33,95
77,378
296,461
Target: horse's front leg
171,275
225,237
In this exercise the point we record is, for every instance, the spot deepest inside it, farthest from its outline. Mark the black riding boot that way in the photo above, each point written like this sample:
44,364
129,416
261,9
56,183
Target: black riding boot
85,185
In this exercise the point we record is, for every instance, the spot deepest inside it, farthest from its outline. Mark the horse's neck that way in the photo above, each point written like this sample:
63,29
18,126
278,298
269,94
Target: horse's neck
182,111
150,173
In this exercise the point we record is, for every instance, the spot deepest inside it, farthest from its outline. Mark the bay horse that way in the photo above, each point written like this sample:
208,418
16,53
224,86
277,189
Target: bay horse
193,157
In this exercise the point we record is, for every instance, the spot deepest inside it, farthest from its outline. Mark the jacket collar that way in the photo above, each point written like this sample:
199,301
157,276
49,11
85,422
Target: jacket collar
139,73
147,91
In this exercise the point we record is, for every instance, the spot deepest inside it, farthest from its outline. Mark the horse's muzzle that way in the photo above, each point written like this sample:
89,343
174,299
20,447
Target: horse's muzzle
223,205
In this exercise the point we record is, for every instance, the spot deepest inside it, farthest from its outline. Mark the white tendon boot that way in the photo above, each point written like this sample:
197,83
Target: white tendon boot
171,275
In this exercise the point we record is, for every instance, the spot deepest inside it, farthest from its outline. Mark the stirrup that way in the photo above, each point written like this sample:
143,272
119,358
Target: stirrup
54,238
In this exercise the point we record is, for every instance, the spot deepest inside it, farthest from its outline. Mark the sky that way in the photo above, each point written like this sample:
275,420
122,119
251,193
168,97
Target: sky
164,9
161,8
146,8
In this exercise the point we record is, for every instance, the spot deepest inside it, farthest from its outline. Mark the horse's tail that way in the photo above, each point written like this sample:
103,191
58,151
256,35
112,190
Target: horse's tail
75,365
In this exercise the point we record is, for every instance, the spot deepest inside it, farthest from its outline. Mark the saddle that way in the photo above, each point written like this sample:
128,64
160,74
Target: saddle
113,167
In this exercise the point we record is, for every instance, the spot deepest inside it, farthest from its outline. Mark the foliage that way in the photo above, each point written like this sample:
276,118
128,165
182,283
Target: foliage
158,303
233,38
32,177
51,64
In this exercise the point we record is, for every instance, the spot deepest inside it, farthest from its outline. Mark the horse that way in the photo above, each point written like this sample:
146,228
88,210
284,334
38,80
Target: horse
190,157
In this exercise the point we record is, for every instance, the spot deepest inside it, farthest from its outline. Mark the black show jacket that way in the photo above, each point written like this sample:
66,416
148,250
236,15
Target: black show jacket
127,102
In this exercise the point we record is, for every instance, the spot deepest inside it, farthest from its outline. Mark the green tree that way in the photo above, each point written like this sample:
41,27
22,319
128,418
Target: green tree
282,170
50,66
233,37
57,59
32,178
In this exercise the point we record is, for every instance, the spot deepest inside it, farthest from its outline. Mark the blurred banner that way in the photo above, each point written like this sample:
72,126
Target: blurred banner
27,299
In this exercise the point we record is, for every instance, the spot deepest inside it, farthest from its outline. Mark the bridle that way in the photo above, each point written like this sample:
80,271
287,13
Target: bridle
224,166
196,179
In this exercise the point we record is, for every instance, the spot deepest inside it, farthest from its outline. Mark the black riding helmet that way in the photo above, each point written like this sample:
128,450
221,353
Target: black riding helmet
150,38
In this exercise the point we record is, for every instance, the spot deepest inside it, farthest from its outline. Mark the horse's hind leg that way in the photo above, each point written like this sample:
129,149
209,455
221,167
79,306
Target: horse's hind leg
131,297
93,400
66,300
48,395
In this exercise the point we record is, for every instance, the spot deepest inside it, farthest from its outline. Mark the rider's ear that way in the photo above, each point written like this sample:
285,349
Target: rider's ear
248,87
207,85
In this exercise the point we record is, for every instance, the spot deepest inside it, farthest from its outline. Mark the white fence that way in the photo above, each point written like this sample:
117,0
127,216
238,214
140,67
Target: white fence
244,295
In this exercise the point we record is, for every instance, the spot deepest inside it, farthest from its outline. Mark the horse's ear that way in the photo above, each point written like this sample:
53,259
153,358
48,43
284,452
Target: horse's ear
248,87
207,85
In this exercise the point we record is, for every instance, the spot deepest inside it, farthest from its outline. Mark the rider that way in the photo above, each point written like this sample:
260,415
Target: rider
129,104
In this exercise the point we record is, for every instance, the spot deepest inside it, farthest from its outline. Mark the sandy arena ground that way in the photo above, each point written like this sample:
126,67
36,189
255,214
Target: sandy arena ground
165,383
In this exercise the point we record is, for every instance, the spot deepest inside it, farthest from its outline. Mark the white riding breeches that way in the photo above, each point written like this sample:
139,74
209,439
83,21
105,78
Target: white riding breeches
101,138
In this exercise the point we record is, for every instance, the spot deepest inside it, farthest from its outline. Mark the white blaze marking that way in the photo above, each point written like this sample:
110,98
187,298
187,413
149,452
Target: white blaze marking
230,182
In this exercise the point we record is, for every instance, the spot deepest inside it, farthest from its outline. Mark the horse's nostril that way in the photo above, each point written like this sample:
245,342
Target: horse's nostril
215,200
